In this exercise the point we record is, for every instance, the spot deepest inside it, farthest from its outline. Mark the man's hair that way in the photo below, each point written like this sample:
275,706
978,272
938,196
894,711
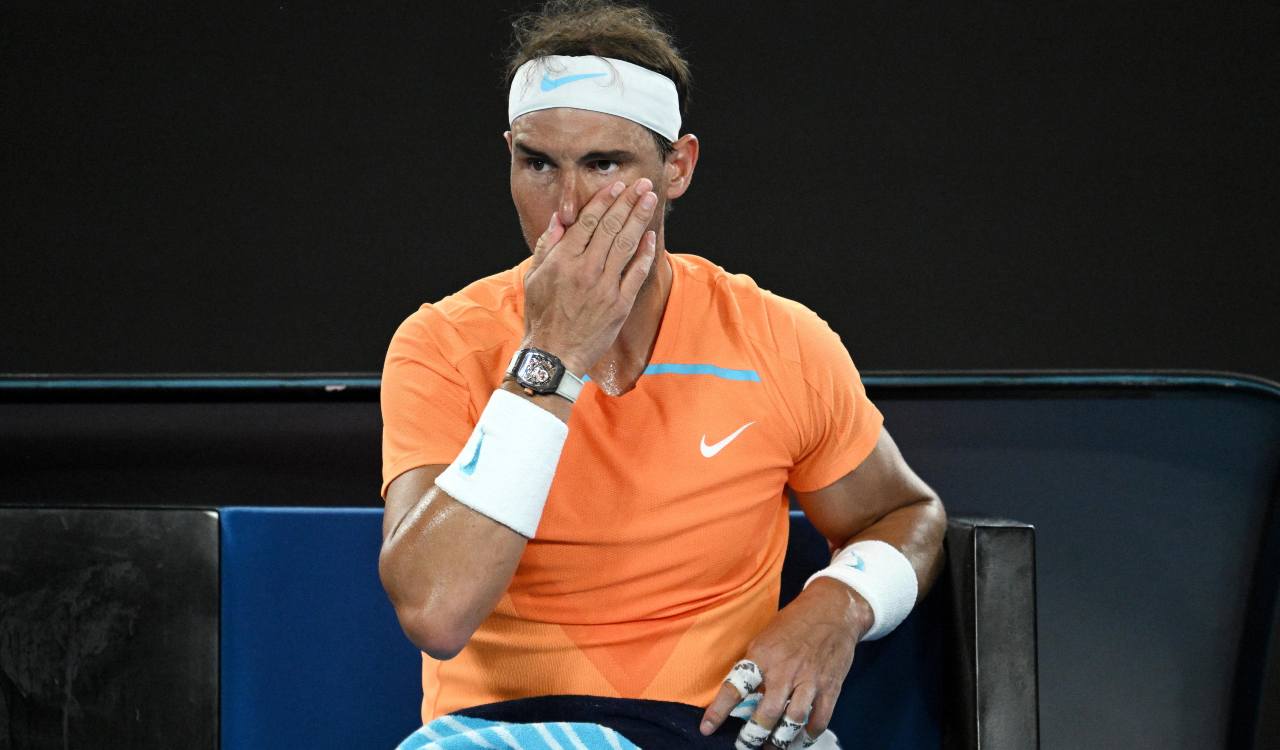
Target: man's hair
604,28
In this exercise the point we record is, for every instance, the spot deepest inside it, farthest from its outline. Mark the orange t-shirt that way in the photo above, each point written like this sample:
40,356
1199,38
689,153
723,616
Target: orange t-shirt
658,555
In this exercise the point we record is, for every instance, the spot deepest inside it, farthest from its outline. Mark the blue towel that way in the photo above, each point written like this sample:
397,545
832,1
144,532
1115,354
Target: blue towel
466,733
554,721
583,722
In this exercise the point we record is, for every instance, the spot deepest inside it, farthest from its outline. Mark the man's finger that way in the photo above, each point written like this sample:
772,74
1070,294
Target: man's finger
823,706
579,233
797,714
629,239
719,709
751,736
767,714
616,219
552,235
637,270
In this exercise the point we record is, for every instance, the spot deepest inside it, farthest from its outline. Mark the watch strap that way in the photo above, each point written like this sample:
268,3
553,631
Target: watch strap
570,386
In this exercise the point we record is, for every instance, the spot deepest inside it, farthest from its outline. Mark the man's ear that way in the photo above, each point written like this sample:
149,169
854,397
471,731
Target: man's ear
680,164
506,136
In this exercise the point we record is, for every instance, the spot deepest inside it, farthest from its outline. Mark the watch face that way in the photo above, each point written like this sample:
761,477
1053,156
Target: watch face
537,371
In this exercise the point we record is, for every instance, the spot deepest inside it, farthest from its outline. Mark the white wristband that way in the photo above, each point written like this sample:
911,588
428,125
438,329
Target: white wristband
505,469
883,576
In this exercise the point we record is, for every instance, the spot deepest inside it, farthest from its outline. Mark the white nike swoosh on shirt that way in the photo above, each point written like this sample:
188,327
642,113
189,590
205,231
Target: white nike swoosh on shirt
710,450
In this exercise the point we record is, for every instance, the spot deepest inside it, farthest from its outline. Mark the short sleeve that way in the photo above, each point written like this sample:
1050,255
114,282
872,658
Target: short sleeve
426,414
838,425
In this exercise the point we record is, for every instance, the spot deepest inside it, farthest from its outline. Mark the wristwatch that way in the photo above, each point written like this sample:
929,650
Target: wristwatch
542,372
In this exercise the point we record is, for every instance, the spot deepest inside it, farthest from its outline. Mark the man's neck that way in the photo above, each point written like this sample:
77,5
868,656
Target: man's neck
620,367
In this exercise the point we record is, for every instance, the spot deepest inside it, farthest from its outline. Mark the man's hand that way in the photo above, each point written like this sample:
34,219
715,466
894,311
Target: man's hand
584,279
804,654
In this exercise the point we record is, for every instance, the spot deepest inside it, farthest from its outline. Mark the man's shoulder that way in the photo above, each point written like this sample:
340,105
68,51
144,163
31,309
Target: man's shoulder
770,320
482,315
499,296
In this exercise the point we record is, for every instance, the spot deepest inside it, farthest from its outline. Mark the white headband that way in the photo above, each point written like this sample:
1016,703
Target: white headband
599,84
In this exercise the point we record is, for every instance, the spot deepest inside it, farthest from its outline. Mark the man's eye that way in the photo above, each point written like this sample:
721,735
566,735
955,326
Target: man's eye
606,166
538,165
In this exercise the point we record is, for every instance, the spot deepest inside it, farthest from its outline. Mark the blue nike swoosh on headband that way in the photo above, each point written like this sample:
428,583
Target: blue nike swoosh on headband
549,83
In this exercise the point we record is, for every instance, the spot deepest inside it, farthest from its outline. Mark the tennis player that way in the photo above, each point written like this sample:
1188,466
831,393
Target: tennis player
587,458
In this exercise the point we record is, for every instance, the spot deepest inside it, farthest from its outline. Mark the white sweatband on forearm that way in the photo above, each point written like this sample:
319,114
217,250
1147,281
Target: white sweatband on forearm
883,576
505,469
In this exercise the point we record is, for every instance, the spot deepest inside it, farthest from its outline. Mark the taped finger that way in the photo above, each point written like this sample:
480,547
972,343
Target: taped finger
745,677
751,736
824,741
785,733
796,717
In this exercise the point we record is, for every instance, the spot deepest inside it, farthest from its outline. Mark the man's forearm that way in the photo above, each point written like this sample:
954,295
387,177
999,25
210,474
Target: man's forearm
445,566
445,570
915,530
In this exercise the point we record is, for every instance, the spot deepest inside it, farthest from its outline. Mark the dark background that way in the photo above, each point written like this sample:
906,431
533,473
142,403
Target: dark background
989,185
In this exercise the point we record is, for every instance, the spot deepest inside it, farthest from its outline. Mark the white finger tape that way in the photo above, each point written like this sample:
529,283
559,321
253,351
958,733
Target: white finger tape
785,732
751,736
745,677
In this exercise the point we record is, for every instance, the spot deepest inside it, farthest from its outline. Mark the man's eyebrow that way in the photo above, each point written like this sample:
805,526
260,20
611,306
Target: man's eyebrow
526,151
614,155
618,155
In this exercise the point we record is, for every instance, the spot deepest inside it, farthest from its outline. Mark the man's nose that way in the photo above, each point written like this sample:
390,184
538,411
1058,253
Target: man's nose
572,197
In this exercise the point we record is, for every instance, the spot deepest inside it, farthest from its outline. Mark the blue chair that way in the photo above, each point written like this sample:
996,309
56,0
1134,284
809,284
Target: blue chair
312,655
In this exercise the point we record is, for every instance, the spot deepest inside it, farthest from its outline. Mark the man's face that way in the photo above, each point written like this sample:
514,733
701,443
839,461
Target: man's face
561,157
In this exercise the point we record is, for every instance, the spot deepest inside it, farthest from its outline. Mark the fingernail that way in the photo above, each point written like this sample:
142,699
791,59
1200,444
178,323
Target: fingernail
706,727
649,200
617,189
643,185
551,223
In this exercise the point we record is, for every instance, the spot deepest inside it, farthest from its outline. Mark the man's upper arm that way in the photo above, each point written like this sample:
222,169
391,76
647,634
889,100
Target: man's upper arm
404,492
426,410
835,426
881,484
